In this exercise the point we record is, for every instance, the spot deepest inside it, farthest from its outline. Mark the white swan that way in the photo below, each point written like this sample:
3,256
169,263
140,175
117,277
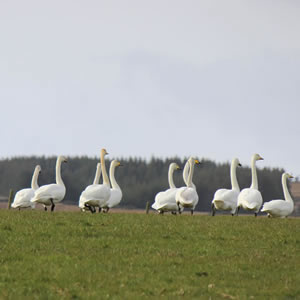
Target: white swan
226,199
97,195
187,197
82,199
165,201
250,198
280,208
23,197
115,192
52,193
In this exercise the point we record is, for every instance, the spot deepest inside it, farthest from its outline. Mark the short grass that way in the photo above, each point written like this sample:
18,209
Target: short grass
69,255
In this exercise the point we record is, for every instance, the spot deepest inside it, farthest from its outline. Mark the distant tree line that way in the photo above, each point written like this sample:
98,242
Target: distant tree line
139,179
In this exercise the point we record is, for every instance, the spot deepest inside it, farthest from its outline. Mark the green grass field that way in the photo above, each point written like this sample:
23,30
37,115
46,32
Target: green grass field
72,255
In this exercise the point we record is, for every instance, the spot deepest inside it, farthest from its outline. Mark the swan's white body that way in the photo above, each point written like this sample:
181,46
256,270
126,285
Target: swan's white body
52,193
115,192
280,208
226,199
97,195
165,200
250,199
23,197
82,198
187,197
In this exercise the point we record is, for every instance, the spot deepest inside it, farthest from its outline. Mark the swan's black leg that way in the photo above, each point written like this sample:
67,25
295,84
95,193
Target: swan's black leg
269,216
107,209
192,212
174,213
255,214
45,208
99,209
213,209
161,212
179,210
52,205
19,208
237,210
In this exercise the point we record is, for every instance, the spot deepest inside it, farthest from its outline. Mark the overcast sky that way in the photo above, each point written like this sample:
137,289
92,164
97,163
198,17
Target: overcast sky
214,79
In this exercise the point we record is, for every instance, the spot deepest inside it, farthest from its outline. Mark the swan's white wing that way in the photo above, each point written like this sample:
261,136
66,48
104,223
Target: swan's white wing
22,198
225,199
250,199
56,192
99,193
278,208
115,197
187,197
166,200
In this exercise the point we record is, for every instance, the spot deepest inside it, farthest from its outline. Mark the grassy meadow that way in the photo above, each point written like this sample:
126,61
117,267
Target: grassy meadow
74,255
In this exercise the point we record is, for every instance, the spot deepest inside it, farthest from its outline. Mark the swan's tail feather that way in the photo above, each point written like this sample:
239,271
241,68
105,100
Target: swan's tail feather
218,203
154,205
251,205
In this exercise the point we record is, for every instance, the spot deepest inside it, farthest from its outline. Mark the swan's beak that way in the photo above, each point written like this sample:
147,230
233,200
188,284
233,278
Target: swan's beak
65,161
290,176
239,165
260,158
197,162
120,165
179,168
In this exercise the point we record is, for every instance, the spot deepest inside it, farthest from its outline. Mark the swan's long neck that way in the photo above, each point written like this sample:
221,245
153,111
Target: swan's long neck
113,181
98,174
103,169
287,195
190,177
58,173
254,184
34,180
234,182
186,172
170,178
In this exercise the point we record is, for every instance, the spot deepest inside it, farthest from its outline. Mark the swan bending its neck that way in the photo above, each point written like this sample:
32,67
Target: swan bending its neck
98,174
60,159
34,183
254,184
287,195
172,168
234,182
103,169
112,168
192,162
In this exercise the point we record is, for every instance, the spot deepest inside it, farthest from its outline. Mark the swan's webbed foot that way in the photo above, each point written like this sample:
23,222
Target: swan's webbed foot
213,209
19,208
174,213
269,216
161,212
52,205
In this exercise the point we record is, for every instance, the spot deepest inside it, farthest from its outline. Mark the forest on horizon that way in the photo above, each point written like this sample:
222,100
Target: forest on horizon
139,179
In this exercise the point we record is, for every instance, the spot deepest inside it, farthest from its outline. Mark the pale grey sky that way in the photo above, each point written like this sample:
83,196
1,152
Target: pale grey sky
215,79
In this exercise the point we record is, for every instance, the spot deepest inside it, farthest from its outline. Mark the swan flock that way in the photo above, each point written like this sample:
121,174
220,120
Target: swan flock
174,199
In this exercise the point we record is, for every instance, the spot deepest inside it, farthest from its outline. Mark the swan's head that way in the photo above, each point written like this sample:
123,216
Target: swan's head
62,159
236,162
104,152
287,175
174,166
193,160
38,169
257,157
116,163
